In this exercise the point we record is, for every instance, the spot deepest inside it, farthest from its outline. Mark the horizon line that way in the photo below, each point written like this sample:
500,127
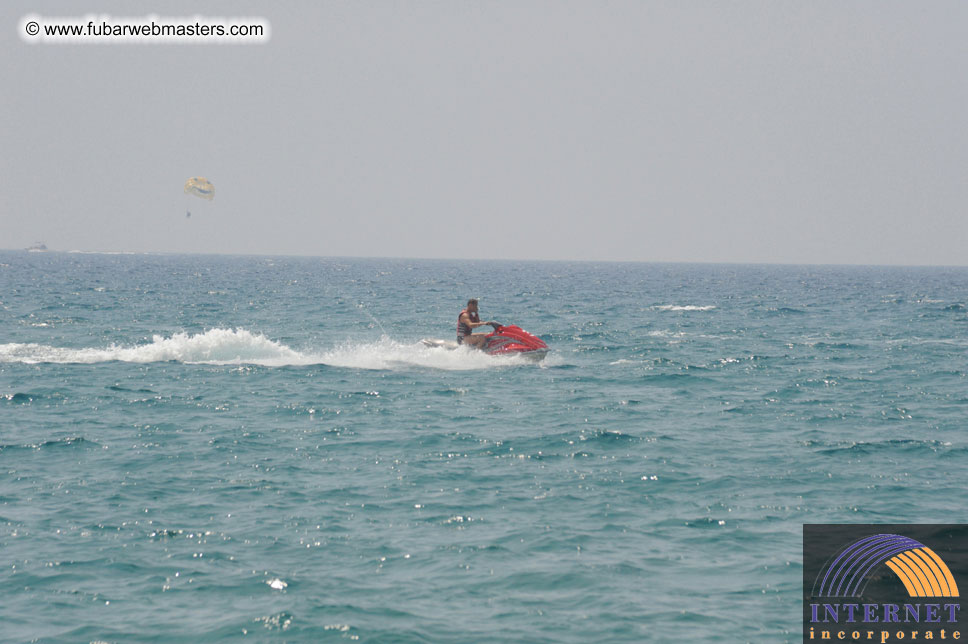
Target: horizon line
484,259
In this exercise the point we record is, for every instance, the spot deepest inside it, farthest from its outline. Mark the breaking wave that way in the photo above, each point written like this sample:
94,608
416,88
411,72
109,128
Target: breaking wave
685,307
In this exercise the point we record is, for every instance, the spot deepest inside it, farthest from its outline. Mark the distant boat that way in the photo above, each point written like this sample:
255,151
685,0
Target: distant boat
38,247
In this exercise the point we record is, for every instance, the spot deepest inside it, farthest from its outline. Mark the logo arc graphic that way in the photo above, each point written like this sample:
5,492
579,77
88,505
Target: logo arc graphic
920,569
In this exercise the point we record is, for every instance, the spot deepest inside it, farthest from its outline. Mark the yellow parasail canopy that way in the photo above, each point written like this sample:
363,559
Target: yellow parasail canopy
200,187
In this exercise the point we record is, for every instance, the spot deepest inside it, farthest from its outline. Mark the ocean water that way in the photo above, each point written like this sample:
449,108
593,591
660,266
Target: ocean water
219,449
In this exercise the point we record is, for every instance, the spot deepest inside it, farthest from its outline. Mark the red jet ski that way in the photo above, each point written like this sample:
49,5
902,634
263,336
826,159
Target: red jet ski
503,341
510,340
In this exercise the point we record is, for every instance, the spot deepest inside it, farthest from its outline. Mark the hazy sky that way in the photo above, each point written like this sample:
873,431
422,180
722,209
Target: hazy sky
794,132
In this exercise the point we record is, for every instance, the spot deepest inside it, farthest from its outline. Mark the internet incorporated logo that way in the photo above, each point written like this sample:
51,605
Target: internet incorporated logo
871,587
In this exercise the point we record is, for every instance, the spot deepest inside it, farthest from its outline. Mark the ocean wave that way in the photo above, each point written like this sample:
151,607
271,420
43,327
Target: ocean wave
666,334
685,307
239,346
70,441
109,252
679,379
784,310
866,447
19,398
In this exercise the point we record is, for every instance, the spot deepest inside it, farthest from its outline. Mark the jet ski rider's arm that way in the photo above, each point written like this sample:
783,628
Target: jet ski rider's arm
466,319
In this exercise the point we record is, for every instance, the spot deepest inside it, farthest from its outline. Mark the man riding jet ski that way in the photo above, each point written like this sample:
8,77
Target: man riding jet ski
504,340
467,321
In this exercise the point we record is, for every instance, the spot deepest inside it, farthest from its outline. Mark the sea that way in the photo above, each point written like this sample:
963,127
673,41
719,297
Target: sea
205,448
